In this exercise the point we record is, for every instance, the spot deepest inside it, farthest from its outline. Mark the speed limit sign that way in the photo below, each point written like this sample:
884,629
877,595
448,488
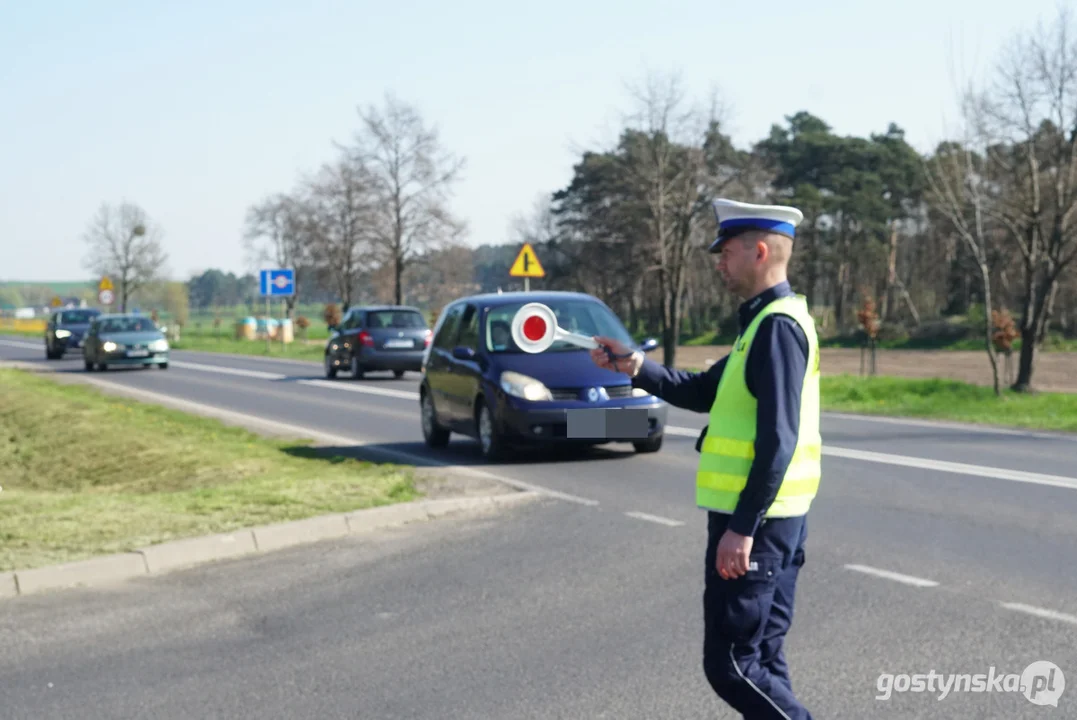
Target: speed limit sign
105,297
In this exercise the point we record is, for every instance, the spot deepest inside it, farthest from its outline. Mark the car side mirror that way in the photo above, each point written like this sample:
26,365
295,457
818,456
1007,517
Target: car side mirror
463,353
648,345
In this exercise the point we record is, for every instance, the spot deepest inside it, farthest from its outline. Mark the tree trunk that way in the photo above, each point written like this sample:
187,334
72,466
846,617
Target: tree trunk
398,275
1031,328
989,344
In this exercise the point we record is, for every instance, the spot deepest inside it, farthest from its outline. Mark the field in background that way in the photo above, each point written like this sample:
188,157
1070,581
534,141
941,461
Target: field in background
1054,371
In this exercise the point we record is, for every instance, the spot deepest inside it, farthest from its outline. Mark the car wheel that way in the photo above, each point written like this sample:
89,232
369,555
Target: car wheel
649,445
398,374
330,368
357,369
102,367
490,440
89,366
433,434
163,366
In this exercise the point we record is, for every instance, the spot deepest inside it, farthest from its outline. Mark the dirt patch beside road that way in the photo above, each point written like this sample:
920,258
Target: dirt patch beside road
1054,371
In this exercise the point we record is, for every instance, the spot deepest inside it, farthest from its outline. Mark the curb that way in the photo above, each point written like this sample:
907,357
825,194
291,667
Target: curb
189,552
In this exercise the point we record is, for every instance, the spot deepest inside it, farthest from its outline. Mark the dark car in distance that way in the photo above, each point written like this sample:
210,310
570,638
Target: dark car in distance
478,383
377,337
66,331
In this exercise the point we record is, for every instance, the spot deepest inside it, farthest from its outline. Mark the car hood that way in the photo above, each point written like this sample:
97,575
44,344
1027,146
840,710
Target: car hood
563,369
74,327
129,338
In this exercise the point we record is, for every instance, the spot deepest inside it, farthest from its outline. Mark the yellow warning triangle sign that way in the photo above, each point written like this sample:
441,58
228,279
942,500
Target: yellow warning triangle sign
527,264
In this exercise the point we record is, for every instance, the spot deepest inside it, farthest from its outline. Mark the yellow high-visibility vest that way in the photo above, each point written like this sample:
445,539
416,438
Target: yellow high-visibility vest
728,449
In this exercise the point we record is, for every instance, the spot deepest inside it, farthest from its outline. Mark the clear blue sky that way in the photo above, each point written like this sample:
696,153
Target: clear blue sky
196,110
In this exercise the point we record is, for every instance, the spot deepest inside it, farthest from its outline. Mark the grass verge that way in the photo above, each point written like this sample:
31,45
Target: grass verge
84,473
297,350
943,399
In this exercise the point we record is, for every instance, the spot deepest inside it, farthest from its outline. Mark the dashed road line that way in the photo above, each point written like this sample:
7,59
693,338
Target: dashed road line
654,518
889,575
1041,612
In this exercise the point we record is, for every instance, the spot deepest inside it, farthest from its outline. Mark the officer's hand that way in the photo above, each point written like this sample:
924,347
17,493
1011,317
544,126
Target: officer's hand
733,553
629,365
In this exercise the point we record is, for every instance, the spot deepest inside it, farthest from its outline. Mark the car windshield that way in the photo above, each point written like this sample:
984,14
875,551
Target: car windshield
403,319
585,317
126,325
75,317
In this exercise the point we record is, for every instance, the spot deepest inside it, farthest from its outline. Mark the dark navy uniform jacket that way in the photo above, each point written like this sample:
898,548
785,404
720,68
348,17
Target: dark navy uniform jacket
774,371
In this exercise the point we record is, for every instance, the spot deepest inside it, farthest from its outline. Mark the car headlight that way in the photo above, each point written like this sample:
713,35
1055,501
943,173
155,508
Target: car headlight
109,346
525,387
63,333
159,345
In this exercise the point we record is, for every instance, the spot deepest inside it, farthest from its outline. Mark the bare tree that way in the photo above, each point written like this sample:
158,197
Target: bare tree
339,226
412,179
664,160
1028,118
277,232
126,245
957,192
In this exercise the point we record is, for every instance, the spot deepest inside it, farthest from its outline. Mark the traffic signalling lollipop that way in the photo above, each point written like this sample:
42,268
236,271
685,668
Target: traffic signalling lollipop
535,329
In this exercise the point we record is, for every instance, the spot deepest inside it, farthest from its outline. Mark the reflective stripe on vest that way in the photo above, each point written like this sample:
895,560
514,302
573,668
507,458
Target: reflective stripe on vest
728,449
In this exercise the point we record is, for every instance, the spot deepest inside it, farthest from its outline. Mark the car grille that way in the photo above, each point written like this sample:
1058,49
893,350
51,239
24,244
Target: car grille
614,392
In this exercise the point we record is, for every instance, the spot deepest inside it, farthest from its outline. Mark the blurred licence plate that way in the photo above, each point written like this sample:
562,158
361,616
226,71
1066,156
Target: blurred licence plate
398,343
138,353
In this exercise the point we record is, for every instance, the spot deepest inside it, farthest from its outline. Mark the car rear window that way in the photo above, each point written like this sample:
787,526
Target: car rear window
76,317
402,319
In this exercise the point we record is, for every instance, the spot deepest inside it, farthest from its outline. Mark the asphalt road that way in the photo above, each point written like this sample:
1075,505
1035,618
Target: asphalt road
931,548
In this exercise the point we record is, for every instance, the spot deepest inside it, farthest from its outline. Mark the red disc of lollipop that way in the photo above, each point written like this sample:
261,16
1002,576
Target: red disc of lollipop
534,328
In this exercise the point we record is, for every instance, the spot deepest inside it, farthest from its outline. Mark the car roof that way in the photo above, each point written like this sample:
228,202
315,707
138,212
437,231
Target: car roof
107,316
489,300
381,308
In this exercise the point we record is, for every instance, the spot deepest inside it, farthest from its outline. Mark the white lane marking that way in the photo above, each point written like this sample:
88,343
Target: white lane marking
346,386
654,518
296,430
27,346
953,467
929,464
896,577
241,372
1041,612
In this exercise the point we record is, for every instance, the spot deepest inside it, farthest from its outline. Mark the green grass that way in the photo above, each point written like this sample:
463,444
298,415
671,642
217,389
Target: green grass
84,473
297,350
948,400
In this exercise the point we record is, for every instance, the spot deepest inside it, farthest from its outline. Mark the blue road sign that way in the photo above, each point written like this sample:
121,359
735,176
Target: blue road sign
277,283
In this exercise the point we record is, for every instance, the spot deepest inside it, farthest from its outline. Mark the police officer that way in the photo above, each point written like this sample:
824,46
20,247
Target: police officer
759,465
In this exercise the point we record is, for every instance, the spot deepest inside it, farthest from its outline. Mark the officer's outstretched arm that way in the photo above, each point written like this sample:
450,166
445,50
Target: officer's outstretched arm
680,388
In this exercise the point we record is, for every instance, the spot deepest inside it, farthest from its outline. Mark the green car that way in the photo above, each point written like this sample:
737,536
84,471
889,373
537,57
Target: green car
125,340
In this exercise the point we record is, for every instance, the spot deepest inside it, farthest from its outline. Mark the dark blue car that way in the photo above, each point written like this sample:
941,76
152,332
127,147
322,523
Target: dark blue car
66,331
478,383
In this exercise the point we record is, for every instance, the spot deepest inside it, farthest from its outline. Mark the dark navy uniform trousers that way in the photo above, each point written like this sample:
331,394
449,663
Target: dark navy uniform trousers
746,619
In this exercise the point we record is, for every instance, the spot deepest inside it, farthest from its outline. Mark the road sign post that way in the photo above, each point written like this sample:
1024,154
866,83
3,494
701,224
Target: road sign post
527,266
276,282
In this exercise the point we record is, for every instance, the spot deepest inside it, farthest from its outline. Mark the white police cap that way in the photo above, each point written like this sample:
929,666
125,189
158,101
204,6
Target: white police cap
737,217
